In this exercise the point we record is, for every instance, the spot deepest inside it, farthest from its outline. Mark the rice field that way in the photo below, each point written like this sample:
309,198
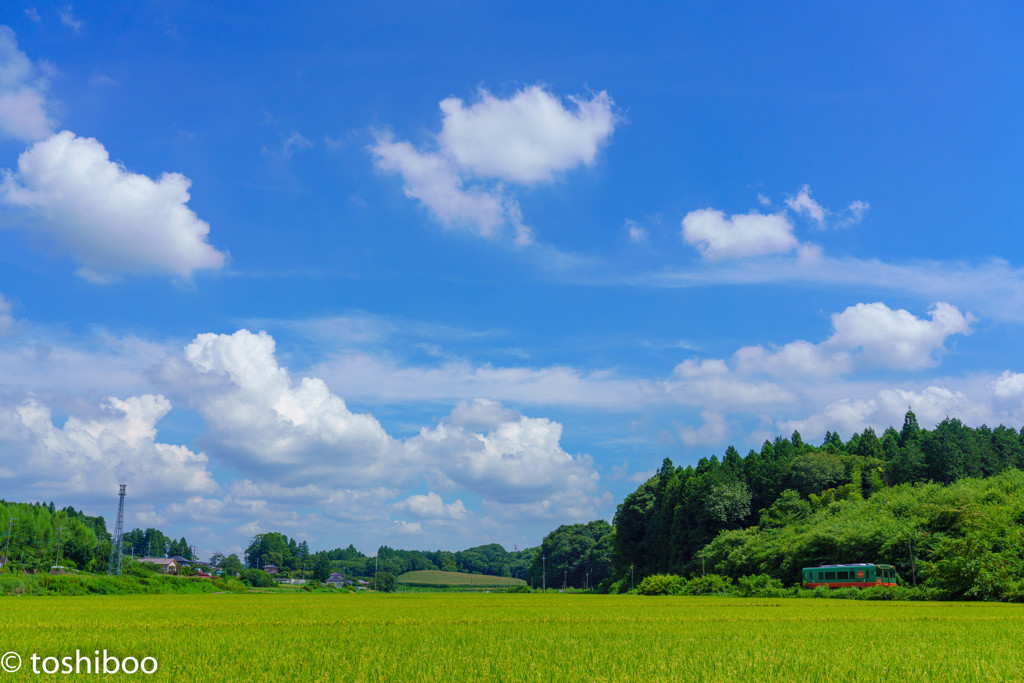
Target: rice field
521,637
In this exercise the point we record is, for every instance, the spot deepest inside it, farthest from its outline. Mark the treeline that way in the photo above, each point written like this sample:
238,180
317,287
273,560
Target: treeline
662,527
153,543
293,557
37,536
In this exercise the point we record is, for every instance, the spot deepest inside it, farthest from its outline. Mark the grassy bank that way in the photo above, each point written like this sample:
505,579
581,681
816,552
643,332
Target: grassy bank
97,584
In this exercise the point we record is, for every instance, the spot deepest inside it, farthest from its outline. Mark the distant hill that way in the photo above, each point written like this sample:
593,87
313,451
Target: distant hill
433,578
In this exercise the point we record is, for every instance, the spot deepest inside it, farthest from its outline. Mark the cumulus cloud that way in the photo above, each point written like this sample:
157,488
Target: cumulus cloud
107,218
431,507
269,426
90,455
719,237
23,112
433,180
260,419
715,430
528,138
518,460
897,339
865,336
1008,385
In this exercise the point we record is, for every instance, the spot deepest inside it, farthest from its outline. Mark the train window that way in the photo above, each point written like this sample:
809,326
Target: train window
830,575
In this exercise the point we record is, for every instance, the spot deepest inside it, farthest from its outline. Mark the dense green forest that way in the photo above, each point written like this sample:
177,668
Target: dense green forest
40,532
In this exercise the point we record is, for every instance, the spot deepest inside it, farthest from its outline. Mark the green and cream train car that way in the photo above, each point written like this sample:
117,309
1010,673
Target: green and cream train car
849,575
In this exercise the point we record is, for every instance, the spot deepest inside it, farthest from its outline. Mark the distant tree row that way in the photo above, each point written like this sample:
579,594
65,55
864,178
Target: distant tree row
663,525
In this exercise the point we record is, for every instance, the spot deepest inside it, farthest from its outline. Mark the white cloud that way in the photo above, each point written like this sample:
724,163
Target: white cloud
712,384
407,528
22,93
796,358
518,460
525,139
719,237
865,336
1008,385
109,219
431,179
431,507
480,413
33,15
804,204
897,339
259,418
88,457
715,430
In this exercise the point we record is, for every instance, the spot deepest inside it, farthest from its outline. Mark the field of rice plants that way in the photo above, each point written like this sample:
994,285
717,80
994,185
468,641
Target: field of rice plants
522,637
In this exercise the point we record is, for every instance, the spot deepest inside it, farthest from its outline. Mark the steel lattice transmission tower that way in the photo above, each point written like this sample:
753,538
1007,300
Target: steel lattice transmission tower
115,544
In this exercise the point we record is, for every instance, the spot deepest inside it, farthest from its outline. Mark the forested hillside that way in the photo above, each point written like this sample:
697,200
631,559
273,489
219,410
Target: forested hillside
663,526
965,540
38,531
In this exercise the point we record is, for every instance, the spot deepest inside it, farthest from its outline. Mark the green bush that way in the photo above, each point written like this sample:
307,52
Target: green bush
661,584
760,586
257,578
709,584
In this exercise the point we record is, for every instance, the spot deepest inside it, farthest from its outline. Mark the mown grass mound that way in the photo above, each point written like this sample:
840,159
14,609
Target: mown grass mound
439,579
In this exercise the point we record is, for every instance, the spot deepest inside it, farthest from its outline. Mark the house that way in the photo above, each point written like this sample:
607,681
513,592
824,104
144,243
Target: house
182,561
167,565
270,569
336,579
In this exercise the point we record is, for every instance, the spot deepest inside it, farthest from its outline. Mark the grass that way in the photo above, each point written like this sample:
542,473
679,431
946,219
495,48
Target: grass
430,577
523,637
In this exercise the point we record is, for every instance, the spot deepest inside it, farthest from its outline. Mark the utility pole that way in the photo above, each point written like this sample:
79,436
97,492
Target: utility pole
630,577
544,576
375,558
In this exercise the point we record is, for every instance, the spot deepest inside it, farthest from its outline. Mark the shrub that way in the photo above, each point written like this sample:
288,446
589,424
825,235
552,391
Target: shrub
760,586
661,584
709,584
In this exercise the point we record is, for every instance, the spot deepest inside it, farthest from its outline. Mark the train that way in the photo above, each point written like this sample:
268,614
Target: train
860,575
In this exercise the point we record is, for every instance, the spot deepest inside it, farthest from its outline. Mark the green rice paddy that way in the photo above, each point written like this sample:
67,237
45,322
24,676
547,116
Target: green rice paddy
521,637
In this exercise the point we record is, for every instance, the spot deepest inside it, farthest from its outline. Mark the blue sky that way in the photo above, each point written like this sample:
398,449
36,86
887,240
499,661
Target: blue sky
435,276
